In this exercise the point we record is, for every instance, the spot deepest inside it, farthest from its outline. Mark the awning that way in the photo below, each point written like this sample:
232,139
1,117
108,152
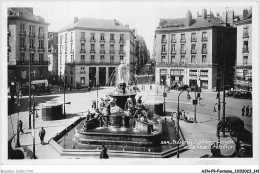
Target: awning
36,82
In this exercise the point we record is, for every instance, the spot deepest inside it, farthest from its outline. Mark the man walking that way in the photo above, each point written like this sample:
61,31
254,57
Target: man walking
243,110
20,124
247,110
42,135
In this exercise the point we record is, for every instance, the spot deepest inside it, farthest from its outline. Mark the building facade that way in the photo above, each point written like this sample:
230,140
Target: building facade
90,50
194,51
243,68
27,41
53,57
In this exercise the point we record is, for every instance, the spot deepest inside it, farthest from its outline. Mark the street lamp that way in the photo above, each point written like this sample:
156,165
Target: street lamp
194,102
18,94
164,95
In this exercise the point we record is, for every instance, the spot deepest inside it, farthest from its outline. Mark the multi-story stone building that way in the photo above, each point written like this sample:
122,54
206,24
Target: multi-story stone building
27,41
53,57
194,51
243,69
91,49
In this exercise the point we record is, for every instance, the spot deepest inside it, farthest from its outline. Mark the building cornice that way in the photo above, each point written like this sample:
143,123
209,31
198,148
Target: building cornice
28,20
96,29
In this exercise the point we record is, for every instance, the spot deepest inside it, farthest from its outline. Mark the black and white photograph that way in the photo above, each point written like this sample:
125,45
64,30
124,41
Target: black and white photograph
130,82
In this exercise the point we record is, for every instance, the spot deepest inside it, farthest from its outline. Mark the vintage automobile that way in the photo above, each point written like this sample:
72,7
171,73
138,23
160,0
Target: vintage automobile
242,94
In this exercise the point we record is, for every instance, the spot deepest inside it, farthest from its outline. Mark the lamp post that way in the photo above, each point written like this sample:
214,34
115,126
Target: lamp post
64,88
164,95
18,105
194,102
178,125
30,102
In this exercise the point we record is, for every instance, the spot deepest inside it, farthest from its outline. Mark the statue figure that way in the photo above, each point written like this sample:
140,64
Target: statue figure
122,75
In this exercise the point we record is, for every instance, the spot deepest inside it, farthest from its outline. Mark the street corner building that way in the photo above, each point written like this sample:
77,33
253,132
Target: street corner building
90,51
27,47
196,51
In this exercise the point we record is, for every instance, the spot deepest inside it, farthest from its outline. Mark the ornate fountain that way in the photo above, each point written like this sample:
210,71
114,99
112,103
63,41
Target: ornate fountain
120,120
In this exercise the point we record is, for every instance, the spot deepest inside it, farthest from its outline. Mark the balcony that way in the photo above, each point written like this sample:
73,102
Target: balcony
183,40
173,52
183,51
164,41
102,52
71,51
82,72
112,41
245,35
23,48
121,52
22,33
32,62
173,40
83,51
32,34
92,40
82,39
40,49
92,51
193,51
41,35
102,41
204,39
204,51
112,52
245,50
121,41
193,39
32,49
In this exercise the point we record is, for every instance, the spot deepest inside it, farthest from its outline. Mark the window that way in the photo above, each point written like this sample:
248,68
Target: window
66,49
92,57
82,47
193,59
31,43
92,47
71,47
41,30
61,38
204,59
193,46
112,37
66,35
173,37
41,44
163,48
82,80
71,36
71,58
102,47
121,47
245,32
193,72
82,68
40,57
22,27
65,58
92,36
193,36
204,73
112,58
22,57
163,59
82,58
204,46
182,36
102,36
164,38
121,57
182,47
82,35
245,73
172,59
204,35
245,46
121,37
32,57
32,29
173,48
22,42
102,57
245,60
182,58
60,49
60,60
111,47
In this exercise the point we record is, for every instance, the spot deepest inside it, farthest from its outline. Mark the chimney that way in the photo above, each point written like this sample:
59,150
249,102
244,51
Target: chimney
204,14
230,18
245,12
188,18
76,19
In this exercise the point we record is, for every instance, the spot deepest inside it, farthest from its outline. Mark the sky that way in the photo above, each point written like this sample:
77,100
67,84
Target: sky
144,16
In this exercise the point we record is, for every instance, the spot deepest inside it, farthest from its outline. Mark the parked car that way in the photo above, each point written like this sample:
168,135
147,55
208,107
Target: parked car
174,86
242,94
182,87
230,93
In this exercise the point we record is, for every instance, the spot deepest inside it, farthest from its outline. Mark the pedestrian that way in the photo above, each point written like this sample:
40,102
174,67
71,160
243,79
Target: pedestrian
20,124
103,153
217,96
198,96
251,111
247,110
243,110
42,135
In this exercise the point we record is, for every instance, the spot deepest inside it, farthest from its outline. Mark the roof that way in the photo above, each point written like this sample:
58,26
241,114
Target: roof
24,13
208,22
91,23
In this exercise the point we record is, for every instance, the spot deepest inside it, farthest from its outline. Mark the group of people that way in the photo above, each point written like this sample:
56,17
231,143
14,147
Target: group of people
246,111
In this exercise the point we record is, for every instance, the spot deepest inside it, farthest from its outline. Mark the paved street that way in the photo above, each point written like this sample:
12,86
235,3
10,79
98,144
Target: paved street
81,102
